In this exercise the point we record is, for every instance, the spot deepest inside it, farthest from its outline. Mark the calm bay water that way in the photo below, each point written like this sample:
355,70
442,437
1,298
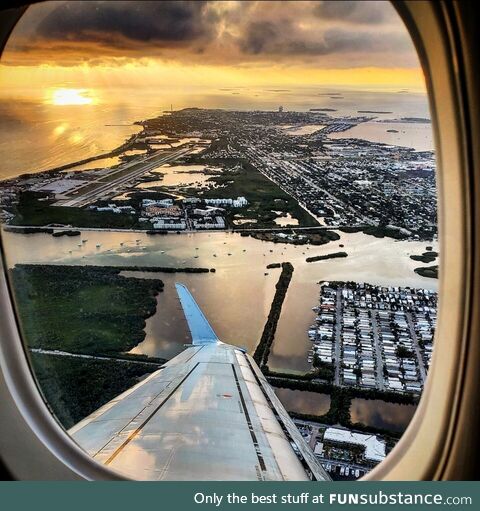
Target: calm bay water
301,401
236,298
379,414
419,136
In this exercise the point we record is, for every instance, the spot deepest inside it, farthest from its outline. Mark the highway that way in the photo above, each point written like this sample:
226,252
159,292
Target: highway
137,169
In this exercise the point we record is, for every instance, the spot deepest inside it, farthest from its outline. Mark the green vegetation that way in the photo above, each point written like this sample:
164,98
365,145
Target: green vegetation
310,385
262,351
340,399
324,372
426,257
273,265
378,231
87,310
403,352
28,230
59,234
263,195
82,309
326,256
34,209
427,271
311,237
74,388
154,269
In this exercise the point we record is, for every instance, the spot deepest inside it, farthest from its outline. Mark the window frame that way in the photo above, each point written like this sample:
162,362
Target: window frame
33,445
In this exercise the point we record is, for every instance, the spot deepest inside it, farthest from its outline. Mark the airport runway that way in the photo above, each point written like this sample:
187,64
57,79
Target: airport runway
137,169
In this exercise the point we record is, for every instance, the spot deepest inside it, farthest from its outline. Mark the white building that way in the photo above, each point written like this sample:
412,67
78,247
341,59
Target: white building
166,203
169,223
239,202
374,447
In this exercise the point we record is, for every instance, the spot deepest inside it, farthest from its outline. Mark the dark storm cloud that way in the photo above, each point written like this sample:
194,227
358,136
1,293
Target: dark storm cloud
115,32
283,38
118,23
368,12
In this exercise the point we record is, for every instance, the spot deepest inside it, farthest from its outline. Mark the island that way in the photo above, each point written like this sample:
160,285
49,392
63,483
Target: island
334,255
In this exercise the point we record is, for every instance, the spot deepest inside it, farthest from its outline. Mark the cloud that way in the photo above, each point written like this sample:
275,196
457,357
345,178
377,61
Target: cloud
317,34
119,23
284,38
369,12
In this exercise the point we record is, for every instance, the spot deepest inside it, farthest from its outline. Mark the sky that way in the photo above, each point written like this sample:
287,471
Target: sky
79,52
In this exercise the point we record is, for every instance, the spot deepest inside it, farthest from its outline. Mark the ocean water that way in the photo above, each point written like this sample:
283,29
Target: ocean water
35,136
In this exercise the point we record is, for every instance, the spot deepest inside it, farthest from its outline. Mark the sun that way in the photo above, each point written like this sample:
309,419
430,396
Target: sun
62,96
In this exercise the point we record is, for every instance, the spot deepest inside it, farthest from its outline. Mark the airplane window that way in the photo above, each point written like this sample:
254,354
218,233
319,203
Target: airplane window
220,227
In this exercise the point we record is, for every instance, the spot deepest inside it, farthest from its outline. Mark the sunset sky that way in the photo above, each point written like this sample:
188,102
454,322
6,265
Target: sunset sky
79,51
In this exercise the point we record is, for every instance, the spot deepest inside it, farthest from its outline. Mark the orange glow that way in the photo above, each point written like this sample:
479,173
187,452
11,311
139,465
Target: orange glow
62,97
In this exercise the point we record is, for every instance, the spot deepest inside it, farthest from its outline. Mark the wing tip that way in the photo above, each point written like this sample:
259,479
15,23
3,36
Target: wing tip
199,326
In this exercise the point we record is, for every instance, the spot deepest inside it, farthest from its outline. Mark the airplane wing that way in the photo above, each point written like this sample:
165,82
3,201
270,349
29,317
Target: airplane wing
207,414
200,329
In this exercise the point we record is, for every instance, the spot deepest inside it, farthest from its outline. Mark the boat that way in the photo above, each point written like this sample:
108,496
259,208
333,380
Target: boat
98,245
84,241
162,251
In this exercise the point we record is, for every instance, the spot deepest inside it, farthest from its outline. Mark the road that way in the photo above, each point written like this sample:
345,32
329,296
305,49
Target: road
185,231
420,364
137,169
58,353
378,352
338,335
260,158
